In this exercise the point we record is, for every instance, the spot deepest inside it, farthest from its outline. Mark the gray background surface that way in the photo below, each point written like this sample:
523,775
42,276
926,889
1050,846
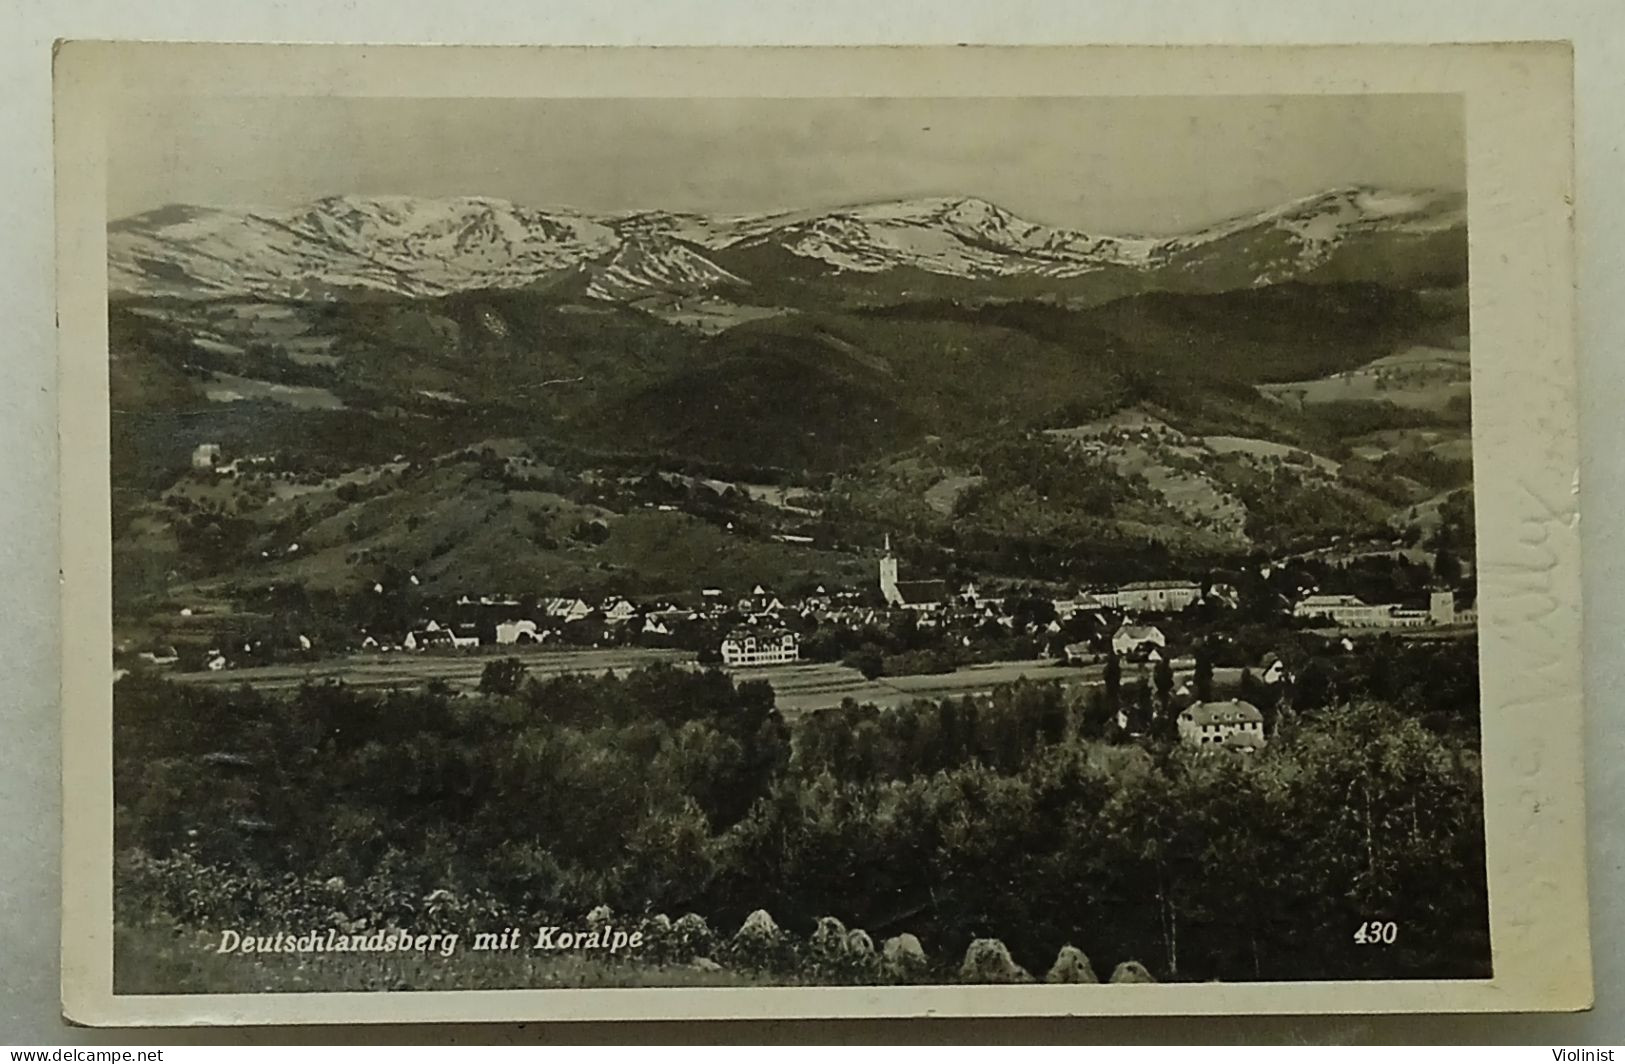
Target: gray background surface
29,733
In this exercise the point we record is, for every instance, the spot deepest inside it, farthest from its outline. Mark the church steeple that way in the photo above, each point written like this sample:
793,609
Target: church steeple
888,576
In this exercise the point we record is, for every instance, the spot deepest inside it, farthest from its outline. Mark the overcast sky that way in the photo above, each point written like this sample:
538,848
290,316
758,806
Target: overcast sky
1122,165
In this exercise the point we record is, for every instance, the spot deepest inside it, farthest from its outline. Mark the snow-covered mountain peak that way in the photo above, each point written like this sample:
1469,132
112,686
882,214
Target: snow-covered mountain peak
427,246
650,263
405,244
926,209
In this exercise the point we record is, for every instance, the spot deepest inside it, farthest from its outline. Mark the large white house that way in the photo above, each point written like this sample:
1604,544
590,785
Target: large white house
745,647
518,631
1233,724
1136,640
424,638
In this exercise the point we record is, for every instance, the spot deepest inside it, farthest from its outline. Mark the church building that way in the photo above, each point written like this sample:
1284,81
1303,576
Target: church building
908,594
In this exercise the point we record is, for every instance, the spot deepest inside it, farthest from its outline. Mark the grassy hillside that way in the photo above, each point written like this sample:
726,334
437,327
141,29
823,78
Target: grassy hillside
1132,492
467,522
910,410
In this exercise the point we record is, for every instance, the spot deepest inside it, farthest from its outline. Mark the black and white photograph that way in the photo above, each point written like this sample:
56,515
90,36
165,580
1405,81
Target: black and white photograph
614,542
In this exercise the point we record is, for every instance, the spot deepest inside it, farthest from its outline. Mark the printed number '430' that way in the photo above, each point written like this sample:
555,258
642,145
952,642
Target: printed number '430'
1376,933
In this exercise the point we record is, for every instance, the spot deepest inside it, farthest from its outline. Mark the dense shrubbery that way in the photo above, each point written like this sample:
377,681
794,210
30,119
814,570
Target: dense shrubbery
1018,484
1289,507
675,791
904,647
1067,485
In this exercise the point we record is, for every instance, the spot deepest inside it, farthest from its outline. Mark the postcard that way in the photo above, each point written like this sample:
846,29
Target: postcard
766,532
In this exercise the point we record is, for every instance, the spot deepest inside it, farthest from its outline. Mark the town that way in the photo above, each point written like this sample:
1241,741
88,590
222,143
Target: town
893,627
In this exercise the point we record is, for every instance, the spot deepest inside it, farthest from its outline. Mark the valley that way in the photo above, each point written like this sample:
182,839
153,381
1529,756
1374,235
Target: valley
519,402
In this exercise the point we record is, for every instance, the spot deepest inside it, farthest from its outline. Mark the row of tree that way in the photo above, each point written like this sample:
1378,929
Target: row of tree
672,790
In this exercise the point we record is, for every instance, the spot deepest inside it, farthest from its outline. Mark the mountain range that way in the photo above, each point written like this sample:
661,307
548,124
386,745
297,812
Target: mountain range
351,246
493,395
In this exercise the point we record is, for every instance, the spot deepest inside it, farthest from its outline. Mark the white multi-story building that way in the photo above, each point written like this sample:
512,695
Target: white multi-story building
1350,611
1151,596
1233,723
746,647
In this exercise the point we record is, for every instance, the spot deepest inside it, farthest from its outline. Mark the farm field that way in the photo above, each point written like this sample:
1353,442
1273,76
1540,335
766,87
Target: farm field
821,685
1257,448
1420,378
405,669
230,388
799,688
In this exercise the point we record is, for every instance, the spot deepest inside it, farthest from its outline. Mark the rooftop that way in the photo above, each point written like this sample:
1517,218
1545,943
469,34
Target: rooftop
1233,711
1161,585
923,590
747,632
